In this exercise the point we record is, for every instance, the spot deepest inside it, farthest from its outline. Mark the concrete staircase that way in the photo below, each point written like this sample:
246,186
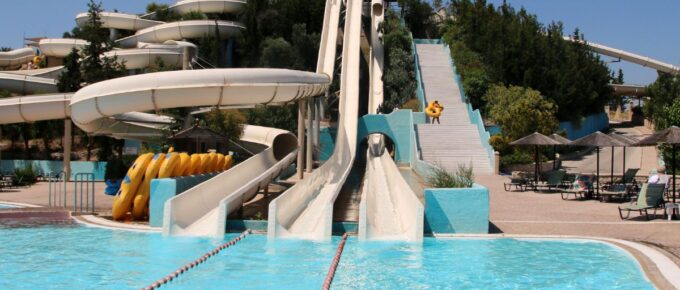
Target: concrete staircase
455,141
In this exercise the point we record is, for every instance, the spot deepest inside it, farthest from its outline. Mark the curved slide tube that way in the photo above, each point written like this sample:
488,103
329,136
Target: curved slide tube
210,87
205,6
60,47
118,21
306,209
389,209
181,30
27,85
132,125
49,73
203,210
632,57
16,58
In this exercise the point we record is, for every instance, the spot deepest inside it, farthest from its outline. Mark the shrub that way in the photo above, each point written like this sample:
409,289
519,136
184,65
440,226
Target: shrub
25,176
501,144
440,178
412,104
517,157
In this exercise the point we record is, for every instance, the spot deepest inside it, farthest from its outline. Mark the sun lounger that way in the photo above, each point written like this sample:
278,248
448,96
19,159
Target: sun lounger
620,191
518,180
650,197
554,181
581,187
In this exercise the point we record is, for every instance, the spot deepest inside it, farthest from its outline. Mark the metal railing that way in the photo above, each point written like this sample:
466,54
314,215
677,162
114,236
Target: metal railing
83,184
56,189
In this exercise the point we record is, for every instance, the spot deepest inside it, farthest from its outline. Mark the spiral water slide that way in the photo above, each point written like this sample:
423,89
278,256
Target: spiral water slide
306,209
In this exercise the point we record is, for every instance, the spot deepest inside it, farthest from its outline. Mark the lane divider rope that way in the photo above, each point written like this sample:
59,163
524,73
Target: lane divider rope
195,263
334,265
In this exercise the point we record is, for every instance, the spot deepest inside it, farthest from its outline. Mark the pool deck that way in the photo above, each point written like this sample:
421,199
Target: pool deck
531,213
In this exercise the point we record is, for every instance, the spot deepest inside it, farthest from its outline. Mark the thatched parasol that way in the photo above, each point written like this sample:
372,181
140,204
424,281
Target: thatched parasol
597,139
536,139
670,136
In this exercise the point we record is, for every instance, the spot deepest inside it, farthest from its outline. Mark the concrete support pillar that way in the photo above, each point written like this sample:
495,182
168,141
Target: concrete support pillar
230,53
317,122
67,149
497,163
310,130
186,58
301,139
113,34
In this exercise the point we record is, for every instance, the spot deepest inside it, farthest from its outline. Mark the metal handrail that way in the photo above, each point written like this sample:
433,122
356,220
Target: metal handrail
86,182
56,189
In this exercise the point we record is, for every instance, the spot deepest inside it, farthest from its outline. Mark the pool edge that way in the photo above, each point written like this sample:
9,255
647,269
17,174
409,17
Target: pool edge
657,267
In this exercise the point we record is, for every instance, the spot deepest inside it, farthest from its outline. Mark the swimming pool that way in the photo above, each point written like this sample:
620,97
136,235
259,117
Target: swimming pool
6,206
86,257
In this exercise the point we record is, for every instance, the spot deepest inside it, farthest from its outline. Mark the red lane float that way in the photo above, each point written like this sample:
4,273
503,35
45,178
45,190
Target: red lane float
196,262
334,265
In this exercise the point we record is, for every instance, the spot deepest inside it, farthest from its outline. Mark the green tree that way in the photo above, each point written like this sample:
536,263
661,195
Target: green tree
508,46
70,79
521,111
666,117
226,122
94,66
277,53
662,93
398,72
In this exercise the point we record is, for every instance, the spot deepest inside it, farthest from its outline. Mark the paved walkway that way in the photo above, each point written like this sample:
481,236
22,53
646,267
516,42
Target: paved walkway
547,214
38,194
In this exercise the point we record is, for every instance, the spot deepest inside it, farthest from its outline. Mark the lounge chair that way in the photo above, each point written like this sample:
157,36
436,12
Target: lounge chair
582,186
650,197
620,191
518,180
554,180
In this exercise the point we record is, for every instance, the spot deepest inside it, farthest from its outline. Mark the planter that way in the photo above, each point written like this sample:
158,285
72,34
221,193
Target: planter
112,186
457,210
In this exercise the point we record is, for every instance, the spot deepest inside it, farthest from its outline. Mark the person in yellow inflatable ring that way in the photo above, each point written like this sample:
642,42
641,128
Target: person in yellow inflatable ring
434,110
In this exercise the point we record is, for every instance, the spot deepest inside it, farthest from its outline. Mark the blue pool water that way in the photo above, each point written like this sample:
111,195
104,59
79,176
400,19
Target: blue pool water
84,257
5,206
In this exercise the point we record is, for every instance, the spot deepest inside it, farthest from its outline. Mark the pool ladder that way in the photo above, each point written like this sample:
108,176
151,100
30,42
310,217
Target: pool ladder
83,191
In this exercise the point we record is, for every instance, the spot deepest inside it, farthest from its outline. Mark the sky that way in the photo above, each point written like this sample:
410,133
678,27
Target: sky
650,28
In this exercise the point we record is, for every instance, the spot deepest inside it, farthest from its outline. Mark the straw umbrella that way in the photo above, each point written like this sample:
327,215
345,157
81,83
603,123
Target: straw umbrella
536,139
628,141
563,141
670,136
597,139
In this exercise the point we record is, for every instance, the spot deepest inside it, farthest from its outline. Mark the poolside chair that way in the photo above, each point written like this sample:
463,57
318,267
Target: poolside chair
582,186
553,181
620,191
519,180
650,197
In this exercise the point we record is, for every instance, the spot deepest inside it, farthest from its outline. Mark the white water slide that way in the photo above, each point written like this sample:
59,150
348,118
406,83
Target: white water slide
306,209
631,57
389,208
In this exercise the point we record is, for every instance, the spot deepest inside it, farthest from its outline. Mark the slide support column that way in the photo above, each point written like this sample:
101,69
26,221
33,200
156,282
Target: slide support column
67,149
301,139
310,130
317,122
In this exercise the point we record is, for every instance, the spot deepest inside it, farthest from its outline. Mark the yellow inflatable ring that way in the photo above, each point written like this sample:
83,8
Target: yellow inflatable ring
168,168
432,111
184,164
228,160
125,197
195,164
141,201
219,166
